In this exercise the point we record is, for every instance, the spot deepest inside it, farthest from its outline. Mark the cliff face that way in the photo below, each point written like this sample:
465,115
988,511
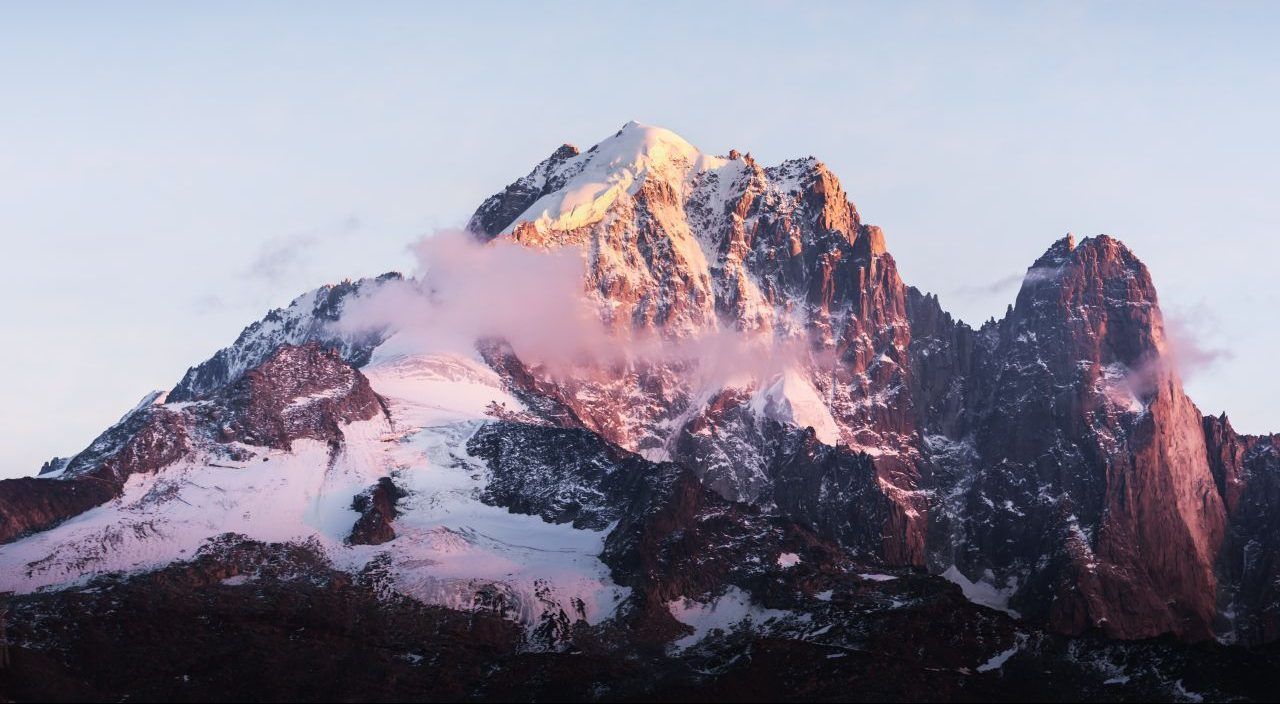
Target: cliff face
682,246
1083,427
299,392
1247,470
28,505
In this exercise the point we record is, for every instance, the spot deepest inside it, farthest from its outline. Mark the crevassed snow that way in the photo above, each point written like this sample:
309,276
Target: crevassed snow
449,544
448,547
722,613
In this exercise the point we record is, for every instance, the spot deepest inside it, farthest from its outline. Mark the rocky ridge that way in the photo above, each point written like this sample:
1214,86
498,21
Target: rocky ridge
1051,457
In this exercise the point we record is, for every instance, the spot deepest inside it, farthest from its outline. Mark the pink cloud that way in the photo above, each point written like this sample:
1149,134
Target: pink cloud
534,299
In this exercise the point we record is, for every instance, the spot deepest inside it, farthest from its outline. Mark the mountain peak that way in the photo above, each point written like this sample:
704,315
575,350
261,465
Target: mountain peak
581,189
565,152
572,188
1057,253
649,140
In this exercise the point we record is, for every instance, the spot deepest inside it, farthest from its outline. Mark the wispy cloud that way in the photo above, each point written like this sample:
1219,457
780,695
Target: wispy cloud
1188,331
534,300
991,288
1006,284
283,255
209,303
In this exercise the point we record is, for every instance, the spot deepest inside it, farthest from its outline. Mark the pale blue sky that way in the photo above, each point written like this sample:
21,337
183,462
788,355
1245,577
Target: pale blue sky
169,171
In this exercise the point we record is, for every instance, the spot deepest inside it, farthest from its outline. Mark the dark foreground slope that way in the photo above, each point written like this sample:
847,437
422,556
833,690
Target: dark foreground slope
245,621
248,621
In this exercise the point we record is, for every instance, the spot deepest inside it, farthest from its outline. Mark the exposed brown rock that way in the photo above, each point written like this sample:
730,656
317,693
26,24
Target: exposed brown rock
299,392
1247,469
1089,487
1226,452
29,505
308,318
377,509
796,261
1052,454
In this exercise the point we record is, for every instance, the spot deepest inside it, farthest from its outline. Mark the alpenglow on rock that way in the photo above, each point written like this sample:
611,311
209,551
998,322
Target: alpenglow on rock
1095,510
792,457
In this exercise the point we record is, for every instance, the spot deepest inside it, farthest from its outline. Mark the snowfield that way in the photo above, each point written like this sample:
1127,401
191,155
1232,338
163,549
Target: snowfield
449,545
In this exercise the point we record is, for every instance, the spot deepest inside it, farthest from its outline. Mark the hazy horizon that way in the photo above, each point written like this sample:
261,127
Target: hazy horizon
171,173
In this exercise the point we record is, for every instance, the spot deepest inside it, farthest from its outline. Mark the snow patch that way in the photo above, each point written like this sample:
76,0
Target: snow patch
720,614
998,660
450,548
984,592
1185,694
791,399
877,577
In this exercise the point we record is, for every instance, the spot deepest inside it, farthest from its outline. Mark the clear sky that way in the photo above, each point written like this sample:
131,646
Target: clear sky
169,171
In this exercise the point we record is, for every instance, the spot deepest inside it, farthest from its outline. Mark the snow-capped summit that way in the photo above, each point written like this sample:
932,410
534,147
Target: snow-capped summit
593,180
685,246
573,189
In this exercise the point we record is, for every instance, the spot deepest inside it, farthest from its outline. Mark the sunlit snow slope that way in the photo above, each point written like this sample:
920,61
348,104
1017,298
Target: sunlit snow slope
449,546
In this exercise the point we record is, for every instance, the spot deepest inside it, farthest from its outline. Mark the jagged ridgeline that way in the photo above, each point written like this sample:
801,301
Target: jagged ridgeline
794,477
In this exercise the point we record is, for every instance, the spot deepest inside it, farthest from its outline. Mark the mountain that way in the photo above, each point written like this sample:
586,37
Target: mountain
787,475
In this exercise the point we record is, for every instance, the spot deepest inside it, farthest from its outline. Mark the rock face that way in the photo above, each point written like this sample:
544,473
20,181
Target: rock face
377,509
670,537
1084,492
1051,456
561,475
144,441
684,245
28,505
500,210
1247,471
308,318
299,392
